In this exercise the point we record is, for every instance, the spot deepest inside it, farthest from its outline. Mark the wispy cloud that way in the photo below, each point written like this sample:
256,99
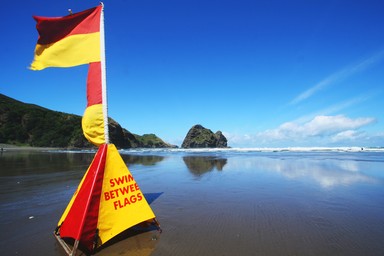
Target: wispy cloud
335,108
339,76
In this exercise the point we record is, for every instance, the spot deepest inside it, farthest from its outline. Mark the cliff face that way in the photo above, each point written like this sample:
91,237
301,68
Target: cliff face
200,137
123,138
120,136
32,125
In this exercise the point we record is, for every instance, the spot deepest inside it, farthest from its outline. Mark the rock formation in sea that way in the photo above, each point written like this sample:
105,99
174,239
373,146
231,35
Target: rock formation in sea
200,137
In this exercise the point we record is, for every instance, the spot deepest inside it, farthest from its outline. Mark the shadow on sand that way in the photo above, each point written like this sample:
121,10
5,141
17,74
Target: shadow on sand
139,240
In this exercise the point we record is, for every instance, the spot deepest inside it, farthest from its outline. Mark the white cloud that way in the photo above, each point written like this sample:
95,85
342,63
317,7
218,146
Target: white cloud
321,130
318,126
338,76
347,135
322,125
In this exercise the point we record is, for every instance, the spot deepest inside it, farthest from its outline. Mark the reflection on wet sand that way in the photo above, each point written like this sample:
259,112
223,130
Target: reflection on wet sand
262,204
328,174
198,165
143,160
135,241
34,162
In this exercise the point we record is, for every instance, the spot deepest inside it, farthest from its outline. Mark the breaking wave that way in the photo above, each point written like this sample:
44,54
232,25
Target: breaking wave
285,149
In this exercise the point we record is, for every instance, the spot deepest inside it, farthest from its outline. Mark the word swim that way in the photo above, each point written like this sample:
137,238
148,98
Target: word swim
121,180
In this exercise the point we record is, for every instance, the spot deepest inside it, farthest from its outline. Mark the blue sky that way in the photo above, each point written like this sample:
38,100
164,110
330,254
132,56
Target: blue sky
265,73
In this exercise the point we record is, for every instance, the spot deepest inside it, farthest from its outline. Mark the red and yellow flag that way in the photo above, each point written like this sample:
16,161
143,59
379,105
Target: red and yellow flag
68,41
93,122
74,40
108,199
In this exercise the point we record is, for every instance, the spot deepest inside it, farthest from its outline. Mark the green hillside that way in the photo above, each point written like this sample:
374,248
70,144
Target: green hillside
25,124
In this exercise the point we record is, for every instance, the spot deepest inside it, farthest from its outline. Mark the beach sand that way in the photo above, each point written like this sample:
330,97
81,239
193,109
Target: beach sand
209,203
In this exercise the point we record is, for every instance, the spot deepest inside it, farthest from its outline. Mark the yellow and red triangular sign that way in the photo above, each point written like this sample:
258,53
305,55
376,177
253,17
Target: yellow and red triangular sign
107,202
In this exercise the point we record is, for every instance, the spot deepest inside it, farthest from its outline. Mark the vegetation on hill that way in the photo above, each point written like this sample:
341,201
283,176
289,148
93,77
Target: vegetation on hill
25,124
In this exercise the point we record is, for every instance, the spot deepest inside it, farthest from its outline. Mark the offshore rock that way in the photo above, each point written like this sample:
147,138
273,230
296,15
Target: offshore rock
200,137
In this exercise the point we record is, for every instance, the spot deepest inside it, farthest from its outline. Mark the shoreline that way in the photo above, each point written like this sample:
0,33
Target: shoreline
10,147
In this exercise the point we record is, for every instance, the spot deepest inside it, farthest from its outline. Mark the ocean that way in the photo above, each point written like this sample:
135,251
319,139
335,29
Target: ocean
259,201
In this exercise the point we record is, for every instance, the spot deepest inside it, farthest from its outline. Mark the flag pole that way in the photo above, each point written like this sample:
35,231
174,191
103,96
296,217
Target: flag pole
103,75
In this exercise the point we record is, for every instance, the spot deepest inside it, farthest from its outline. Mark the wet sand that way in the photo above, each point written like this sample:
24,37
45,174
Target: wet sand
210,203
